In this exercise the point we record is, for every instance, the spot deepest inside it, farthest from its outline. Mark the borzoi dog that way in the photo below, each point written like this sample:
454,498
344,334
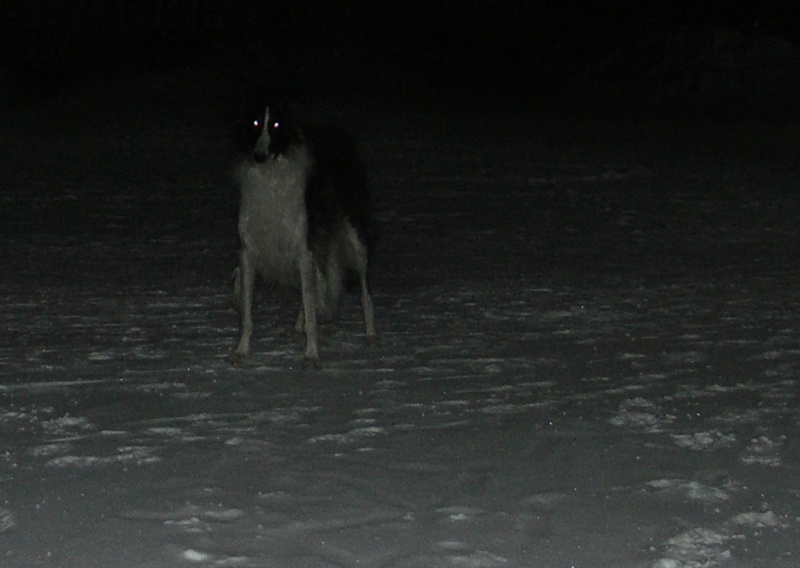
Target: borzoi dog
304,222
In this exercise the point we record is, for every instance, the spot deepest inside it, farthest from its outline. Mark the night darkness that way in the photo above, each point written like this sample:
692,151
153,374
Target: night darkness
530,49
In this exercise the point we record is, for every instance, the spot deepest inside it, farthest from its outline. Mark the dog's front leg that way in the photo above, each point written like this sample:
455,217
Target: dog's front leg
309,287
243,289
236,290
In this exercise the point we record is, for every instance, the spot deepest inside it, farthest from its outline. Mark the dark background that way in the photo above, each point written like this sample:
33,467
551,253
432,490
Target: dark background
655,53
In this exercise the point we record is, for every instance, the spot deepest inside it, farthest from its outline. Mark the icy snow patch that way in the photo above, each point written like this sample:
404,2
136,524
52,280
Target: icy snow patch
62,425
763,451
354,435
138,455
640,414
692,489
706,548
760,520
696,548
704,440
6,520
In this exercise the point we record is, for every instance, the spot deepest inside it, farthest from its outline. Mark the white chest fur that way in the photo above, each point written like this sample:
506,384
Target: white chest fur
272,215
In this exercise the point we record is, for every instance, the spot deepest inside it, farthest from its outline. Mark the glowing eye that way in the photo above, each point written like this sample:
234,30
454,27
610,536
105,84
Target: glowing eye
256,124
276,125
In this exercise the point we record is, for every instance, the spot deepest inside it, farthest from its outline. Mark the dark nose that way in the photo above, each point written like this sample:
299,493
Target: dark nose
259,157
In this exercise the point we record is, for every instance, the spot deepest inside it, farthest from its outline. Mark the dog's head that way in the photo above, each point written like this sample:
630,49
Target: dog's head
276,134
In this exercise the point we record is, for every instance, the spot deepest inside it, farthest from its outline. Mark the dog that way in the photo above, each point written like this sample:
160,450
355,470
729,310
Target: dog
305,223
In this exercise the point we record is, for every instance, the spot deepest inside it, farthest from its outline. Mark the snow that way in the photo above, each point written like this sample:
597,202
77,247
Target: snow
589,345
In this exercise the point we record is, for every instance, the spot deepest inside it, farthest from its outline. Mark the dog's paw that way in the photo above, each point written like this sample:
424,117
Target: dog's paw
237,359
372,340
311,363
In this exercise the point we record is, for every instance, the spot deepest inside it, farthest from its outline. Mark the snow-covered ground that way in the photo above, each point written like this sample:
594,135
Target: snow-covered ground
589,355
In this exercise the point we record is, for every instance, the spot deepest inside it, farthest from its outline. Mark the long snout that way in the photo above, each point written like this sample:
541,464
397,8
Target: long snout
261,149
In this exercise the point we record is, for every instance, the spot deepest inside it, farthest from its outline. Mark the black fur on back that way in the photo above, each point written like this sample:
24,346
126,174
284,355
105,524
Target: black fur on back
336,190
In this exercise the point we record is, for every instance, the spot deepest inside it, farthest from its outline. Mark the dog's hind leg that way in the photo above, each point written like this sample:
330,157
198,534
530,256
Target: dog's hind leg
361,262
244,280
309,286
371,335
299,324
